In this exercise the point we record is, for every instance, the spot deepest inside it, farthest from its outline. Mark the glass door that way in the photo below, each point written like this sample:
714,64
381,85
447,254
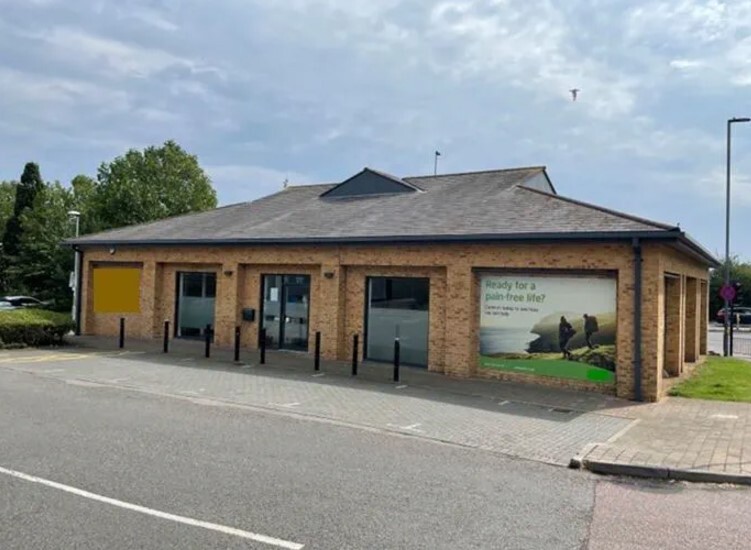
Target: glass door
286,305
195,303
398,307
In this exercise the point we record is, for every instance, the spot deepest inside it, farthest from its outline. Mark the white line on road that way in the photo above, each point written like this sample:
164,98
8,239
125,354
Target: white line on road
287,405
503,403
401,387
410,428
272,541
319,375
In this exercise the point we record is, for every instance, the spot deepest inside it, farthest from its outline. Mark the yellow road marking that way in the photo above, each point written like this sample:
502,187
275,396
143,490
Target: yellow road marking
44,358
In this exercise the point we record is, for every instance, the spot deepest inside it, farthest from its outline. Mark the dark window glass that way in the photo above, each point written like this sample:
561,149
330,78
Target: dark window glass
193,285
398,309
210,285
400,293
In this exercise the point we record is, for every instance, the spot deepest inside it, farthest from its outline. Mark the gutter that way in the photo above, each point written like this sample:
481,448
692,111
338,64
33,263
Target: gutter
637,319
592,236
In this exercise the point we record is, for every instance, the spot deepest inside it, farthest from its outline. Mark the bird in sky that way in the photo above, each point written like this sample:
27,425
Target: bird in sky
574,93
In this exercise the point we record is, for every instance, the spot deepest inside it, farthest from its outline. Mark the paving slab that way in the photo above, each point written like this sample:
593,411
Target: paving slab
530,423
686,439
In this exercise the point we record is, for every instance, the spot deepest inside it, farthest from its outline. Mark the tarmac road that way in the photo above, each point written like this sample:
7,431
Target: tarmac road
118,469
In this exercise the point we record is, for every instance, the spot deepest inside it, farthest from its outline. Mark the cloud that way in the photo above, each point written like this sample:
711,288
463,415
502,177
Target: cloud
312,90
692,21
110,56
528,45
243,182
149,17
687,64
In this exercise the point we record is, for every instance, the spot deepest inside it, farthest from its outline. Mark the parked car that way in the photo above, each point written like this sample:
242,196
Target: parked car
741,315
26,301
5,304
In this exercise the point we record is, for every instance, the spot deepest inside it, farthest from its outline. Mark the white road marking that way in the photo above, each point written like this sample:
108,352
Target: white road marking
401,387
52,371
287,405
116,380
271,541
503,403
725,416
410,428
319,375
84,383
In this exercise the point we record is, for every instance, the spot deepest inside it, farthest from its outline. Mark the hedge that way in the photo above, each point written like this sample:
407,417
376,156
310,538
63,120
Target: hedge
33,327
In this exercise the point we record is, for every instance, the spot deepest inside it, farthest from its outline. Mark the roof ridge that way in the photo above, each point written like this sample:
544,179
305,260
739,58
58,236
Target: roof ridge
496,170
604,209
291,185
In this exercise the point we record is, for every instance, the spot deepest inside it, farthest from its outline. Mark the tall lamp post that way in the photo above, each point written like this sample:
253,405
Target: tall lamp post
75,215
726,317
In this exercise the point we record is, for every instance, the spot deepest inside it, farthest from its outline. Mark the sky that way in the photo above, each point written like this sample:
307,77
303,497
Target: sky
314,90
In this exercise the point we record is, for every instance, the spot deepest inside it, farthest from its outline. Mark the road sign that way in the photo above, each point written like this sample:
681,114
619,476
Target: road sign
727,292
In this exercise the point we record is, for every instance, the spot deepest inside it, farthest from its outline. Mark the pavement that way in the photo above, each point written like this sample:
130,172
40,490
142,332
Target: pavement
98,465
683,439
515,420
692,440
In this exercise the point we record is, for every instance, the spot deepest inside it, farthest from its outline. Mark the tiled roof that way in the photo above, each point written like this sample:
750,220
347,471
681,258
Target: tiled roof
492,203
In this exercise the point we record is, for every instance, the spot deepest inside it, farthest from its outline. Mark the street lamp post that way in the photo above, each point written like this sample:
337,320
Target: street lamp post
726,317
75,215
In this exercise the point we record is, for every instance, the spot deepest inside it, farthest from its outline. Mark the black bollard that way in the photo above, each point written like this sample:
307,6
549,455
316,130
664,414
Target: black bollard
355,340
208,341
166,337
396,359
263,346
317,360
237,344
122,332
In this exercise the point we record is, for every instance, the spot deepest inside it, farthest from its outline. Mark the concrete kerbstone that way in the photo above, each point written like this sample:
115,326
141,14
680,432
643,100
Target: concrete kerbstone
659,472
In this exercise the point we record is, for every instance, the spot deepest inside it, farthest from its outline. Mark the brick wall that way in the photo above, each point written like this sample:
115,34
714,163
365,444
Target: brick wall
337,303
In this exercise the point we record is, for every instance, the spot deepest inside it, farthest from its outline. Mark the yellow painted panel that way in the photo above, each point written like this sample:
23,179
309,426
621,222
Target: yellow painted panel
117,290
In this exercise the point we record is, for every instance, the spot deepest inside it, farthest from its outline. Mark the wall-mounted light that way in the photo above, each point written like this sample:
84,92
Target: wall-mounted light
112,249
329,274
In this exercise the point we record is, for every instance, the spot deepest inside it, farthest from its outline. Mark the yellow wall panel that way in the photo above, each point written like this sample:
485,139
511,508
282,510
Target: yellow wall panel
117,290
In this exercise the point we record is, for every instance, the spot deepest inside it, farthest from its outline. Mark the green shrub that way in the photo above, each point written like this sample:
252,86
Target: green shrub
33,327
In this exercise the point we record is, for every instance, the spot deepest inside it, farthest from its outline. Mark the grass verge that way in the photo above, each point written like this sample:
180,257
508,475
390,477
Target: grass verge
719,378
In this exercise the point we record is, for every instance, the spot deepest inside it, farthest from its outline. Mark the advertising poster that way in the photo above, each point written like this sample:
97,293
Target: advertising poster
549,325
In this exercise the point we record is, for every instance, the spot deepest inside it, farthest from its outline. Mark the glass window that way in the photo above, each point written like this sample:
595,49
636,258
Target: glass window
210,285
398,308
285,311
196,305
193,284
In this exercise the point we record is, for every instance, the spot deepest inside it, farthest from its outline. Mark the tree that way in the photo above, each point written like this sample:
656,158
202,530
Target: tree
144,186
84,195
739,271
26,192
43,265
7,199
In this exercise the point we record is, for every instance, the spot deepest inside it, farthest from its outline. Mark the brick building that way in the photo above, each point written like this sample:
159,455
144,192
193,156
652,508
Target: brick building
486,274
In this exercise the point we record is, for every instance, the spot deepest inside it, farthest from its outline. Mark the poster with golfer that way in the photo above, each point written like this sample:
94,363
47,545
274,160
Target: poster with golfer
549,325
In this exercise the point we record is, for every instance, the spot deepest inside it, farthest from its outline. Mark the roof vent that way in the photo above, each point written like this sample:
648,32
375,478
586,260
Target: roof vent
370,182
